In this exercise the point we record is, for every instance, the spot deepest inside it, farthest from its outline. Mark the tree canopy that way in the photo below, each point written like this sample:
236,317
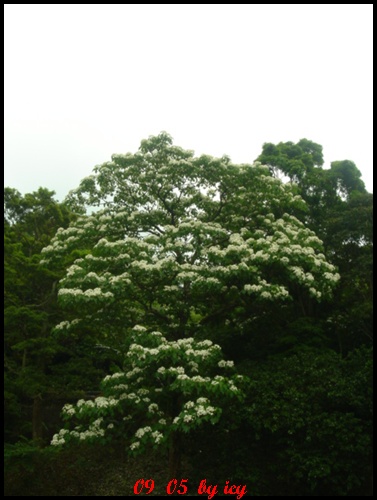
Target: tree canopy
179,243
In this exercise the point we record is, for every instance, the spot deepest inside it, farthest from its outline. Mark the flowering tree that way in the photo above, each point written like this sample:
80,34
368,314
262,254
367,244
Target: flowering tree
170,386
177,244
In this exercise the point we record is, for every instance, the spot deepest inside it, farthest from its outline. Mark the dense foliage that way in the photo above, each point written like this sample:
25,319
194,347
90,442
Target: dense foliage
40,369
220,316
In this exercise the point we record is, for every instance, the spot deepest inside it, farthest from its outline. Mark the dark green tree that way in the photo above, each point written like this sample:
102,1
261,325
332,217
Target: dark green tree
296,161
40,369
340,212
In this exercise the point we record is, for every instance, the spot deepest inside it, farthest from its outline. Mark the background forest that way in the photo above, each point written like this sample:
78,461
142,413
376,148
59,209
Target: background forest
206,321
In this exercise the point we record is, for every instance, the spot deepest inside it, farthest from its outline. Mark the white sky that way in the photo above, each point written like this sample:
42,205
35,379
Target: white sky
85,81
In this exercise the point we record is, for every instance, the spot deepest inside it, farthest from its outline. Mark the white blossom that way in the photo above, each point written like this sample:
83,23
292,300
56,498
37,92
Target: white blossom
224,364
152,408
142,431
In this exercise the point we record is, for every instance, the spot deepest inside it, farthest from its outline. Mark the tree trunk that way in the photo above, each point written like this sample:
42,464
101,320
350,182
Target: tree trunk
37,422
24,359
174,456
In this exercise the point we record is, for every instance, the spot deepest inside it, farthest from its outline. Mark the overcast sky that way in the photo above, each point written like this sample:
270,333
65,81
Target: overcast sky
85,81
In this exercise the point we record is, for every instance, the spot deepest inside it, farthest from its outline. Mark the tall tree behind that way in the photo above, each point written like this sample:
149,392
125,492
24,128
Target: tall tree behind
341,214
